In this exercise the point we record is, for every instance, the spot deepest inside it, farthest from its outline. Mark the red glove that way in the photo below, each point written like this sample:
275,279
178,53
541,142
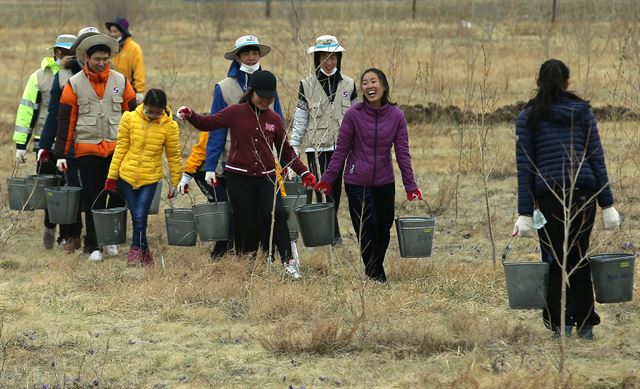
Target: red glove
111,185
44,155
184,112
323,187
309,180
414,195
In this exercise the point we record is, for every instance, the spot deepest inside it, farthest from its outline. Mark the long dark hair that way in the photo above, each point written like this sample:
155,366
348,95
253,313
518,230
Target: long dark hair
156,98
552,80
385,84
246,97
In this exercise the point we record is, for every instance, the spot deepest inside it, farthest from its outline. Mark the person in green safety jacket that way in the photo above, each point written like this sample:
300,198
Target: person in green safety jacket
32,113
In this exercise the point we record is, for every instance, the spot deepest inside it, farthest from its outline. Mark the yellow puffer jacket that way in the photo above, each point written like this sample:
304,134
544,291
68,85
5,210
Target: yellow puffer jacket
198,154
137,158
130,62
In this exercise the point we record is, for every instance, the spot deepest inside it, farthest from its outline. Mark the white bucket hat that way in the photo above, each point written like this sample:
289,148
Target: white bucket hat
327,44
64,41
94,40
247,40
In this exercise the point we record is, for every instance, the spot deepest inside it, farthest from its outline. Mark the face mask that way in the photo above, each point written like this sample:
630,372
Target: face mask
335,70
250,69
59,61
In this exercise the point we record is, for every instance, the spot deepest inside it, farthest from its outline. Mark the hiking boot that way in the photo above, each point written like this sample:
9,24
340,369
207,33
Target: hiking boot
147,258
49,238
110,249
567,331
71,245
291,269
134,257
95,256
586,332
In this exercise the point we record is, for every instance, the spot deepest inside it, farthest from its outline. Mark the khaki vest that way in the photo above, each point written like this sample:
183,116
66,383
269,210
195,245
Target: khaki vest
63,76
325,117
98,119
45,82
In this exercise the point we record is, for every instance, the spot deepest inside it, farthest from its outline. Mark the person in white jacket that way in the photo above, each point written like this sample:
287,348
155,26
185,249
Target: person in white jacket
324,97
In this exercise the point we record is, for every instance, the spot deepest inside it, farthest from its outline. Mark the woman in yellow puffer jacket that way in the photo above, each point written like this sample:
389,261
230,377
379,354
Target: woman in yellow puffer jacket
136,166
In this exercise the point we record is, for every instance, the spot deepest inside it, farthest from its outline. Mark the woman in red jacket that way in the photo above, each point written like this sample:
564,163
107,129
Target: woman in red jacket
250,170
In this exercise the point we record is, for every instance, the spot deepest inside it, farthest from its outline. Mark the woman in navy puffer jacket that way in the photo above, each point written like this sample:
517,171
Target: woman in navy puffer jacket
561,166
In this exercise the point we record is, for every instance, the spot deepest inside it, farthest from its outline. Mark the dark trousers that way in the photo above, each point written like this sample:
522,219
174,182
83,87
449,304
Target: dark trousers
324,158
139,201
371,210
580,299
252,198
93,173
219,193
73,179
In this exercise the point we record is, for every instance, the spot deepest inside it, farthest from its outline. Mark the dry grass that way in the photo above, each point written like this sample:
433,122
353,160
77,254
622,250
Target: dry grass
438,322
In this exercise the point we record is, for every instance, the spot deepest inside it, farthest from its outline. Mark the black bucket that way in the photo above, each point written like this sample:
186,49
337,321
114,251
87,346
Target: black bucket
290,203
155,203
17,193
35,188
415,236
111,225
294,187
316,223
181,226
612,276
63,203
212,220
527,282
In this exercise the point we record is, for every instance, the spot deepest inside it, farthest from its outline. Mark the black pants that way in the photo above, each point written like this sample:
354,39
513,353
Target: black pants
252,198
324,158
219,193
49,167
580,299
93,173
371,210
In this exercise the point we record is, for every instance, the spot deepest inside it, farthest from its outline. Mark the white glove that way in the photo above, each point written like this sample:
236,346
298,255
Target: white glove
139,98
524,227
610,218
61,164
210,177
183,186
21,156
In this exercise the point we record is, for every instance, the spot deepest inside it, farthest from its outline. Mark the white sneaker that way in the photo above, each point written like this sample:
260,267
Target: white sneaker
291,269
111,250
96,255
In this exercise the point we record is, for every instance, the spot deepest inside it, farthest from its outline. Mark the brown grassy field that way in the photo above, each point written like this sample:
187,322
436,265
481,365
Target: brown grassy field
442,321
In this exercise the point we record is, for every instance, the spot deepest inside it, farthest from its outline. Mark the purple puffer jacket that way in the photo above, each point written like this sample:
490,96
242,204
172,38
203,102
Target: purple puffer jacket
365,140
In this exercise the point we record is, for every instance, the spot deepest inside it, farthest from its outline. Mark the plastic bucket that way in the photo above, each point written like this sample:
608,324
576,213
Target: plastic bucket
294,187
290,203
181,226
527,284
111,225
155,203
415,236
212,220
17,193
36,184
316,223
63,203
612,276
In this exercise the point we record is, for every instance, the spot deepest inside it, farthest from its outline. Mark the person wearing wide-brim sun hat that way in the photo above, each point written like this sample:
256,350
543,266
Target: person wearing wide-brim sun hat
208,157
129,60
91,107
324,97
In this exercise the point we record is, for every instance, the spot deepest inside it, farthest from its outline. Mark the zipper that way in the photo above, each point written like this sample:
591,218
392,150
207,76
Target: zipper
375,147
145,128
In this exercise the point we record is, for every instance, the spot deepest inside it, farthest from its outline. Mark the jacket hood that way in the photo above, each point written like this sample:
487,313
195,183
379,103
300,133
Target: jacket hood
164,118
565,111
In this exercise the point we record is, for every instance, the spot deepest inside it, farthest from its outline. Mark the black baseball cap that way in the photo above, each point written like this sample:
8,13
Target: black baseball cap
264,83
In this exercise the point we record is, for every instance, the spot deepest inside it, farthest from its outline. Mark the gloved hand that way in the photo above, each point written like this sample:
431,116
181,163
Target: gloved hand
61,164
139,98
309,180
43,155
524,227
610,218
172,193
322,187
414,195
184,113
210,178
183,186
111,185
21,156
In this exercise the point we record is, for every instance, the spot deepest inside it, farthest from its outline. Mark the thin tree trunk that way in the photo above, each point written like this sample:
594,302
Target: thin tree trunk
267,9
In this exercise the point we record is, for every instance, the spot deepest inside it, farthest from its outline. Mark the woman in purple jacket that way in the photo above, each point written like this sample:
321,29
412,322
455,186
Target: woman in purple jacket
368,131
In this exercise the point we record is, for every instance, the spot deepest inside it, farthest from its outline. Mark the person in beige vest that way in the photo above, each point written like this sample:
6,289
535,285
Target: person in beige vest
31,115
324,97
91,107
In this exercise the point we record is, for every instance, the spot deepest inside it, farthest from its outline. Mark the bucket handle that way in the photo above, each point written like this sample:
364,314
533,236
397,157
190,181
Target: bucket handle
98,196
170,201
632,246
425,203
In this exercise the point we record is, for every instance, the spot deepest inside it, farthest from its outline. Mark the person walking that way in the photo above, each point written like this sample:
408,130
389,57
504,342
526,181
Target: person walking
70,65
250,170
136,166
91,106
208,157
368,132
31,116
561,167
129,60
324,97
